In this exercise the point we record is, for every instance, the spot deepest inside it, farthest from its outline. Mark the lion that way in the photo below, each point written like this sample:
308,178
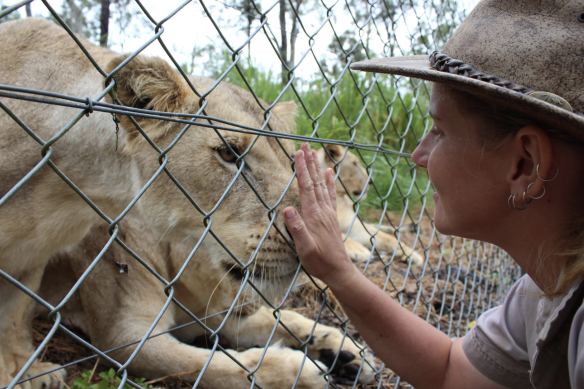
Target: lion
116,308
45,216
355,179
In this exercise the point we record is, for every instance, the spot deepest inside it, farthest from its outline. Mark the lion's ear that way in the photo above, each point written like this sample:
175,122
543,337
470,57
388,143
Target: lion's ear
149,83
286,111
335,151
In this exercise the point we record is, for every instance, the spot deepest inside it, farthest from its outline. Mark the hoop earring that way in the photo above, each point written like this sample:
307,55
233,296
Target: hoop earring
513,206
551,179
535,198
528,200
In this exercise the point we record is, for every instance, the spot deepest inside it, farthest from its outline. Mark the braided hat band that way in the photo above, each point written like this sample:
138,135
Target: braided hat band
444,63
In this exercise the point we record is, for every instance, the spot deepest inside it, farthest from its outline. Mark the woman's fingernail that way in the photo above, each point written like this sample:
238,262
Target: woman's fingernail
290,213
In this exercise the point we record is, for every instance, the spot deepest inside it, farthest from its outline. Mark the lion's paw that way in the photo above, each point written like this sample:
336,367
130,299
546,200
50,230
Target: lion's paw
52,380
280,367
417,259
386,243
356,251
348,364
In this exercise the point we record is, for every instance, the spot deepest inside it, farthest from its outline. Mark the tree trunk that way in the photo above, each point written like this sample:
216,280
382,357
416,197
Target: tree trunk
247,8
28,11
104,21
284,42
294,34
76,17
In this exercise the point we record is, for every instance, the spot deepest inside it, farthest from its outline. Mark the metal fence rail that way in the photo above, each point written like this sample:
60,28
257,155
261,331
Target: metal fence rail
458,280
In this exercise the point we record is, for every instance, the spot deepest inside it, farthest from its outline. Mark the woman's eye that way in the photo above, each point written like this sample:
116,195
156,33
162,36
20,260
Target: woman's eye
227,155
435,131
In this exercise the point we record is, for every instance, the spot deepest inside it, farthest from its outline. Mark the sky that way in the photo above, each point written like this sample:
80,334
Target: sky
190,28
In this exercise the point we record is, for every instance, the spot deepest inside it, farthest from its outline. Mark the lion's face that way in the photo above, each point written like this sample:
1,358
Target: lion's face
234,220
352,172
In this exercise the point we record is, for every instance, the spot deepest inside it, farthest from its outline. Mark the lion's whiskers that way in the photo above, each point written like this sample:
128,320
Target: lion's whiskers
211,297
170,225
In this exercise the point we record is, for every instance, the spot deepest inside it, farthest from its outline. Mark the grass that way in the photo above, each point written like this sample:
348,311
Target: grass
104,380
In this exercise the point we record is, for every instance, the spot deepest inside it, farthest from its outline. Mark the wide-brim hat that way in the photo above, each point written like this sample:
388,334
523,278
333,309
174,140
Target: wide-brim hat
525,54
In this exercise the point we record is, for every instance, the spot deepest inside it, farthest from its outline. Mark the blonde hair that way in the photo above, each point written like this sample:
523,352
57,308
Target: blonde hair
502,122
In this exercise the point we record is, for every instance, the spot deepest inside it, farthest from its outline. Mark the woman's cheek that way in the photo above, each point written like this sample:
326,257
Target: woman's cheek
433,166
442,171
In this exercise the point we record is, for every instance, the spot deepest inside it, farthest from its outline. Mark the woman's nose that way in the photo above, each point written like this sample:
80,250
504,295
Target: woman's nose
420,156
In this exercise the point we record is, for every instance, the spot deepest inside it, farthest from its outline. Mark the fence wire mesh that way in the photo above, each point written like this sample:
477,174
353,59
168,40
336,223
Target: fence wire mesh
174,226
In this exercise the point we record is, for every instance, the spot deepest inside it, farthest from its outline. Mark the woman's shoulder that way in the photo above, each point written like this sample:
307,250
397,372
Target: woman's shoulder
576,349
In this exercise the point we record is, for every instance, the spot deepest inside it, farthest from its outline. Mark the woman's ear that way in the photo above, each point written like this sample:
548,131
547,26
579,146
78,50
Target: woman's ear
531,150
149,83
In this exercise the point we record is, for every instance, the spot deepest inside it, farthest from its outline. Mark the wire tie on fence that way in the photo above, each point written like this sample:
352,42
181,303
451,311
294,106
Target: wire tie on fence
117,121
114,95
89,107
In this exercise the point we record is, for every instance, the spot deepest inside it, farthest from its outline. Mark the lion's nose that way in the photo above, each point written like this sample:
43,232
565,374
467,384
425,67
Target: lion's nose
357,192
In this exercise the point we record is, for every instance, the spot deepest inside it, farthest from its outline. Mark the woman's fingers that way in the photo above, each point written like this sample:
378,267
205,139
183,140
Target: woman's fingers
322,180
297,228
305,183
329,176
311,162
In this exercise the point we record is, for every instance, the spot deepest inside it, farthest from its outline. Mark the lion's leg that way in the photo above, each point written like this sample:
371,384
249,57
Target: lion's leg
359,235
326,342
356,251
386,243
164,356
5,373
16,314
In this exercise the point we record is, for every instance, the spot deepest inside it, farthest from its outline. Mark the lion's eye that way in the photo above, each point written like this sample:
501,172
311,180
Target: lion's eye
227,155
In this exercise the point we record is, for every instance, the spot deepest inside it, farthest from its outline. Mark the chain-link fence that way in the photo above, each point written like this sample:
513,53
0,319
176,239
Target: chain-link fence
157,195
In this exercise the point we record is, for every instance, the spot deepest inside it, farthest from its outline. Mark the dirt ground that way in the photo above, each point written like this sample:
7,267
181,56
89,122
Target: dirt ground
449,291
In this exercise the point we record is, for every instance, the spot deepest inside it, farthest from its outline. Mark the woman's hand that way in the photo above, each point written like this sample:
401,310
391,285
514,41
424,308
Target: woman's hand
316,232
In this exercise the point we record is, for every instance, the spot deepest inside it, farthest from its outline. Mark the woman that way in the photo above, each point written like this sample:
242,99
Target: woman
505,157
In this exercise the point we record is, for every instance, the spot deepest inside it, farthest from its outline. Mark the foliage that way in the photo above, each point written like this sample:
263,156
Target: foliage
82,16
107,380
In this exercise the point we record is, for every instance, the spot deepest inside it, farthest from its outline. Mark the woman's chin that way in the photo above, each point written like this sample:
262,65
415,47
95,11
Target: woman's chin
441,222
440,227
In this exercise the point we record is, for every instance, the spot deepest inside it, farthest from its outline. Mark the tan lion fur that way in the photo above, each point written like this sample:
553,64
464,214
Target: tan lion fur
355,178
46,217
116,309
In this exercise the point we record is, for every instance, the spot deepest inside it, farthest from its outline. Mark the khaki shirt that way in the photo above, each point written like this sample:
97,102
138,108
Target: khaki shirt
531,341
